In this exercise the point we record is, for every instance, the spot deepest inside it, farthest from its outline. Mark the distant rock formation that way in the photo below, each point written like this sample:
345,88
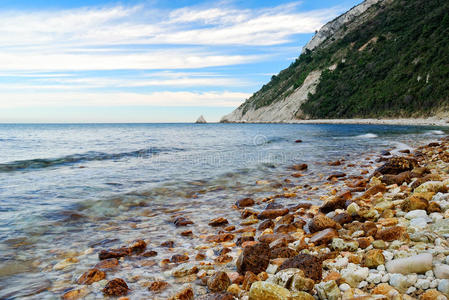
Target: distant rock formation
201,120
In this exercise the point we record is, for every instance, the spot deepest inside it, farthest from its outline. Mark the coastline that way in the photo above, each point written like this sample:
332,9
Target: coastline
404,122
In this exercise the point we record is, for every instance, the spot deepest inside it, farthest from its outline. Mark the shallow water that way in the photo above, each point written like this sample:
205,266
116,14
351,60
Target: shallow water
71,190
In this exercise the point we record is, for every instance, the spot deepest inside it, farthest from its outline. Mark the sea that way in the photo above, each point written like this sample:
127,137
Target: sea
68,191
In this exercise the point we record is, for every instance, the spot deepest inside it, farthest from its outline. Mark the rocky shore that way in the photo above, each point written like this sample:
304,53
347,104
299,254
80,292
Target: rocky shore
378,235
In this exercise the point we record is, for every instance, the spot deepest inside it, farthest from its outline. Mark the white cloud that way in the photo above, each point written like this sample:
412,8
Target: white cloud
206,99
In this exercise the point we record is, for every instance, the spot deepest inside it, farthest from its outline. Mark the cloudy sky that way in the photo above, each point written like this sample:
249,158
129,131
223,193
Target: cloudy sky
146,61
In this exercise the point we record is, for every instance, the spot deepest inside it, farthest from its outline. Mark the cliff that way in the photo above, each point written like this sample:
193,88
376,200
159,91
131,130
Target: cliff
381,59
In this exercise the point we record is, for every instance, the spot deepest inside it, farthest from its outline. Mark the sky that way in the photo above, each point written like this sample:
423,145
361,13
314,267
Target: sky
78,61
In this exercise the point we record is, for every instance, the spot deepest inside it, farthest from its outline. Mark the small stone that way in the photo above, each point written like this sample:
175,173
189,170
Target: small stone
116,287
234,289
328,290
379,244
177,258
262,290
353,209
75,294
373,258
184,270
246,202
324,236
219,282
432,295
309,264
416,214
272,213
420,263
158,286
218,222
385,289
65,263
353,275
181,221
392,233
138,246
399,282
266,224
107,264
422,284
185,294
248,280
374,278
91,276
321,222
414,203
342,245
441,271
254,258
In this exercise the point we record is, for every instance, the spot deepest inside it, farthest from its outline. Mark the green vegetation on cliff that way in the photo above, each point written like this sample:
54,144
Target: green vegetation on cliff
394,64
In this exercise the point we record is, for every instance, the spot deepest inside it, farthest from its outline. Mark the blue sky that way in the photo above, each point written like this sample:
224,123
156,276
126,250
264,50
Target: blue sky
146,61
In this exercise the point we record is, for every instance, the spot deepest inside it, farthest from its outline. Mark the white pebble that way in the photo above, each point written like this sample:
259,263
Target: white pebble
374,278
388,255
433,284
381,268
398,281
410,290
429,273
422,284
412,278
363,284
416,214
385,278
443,286
344,287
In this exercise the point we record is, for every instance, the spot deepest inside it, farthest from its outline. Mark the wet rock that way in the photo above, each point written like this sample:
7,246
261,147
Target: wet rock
116,287
91,276
75,294
309,264
272,213
114,253
177,258
283,252
149,254
138,246
262,290
220,238
397,165
248,280
285,228
168,244
286,220
397,179
218,282
244,239
182,221
378,188
185,294
324,236
158,286
342,218
390,234
269,238
266,224
300,167
328,290
336,176
373,258
223,259
218,222
298,141
254,258
107,264
65,263
321,222
420,263
187,233
184,270
245,202
339,202
217,296
248,212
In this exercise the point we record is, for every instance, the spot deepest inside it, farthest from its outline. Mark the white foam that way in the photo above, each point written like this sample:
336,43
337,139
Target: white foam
367,136
435,132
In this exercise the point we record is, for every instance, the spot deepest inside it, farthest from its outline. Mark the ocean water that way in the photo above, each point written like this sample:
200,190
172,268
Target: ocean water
72,190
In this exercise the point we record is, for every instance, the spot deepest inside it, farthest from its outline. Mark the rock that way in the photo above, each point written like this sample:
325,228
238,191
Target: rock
266,224
234,289
248,280
254,258
441,227
373,258
217,296
262,290
353,275
342,245
441,271
328,290
168,244
201,120
432,186
218,222
336,176
245,202
379,244
219,282
324,236
285,252
434,207
107,264
337,202
386,290
397,179
157,286
353,209
138,246
91,276
185,294
432,295
397,165
300,167
272,213
399,282
443,286
365,242
416,214
220,238
301,296
184,270
392,233
177,258
298,141
293,280
420,263
65,263
269,238
75,294
181,221
309,264
414,203
342,218
150,253
321,222
116,287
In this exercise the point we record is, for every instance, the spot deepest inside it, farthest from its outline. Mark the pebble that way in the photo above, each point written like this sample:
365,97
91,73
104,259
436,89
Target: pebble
415,264
416,214
422,284
443,286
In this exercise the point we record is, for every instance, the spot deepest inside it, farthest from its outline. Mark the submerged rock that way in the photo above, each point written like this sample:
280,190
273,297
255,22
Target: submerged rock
91,276
185,294
245,202
116,287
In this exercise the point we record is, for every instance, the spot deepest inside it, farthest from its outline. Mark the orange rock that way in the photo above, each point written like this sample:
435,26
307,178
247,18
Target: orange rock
373,258
324,236
332,276
321,222
432,295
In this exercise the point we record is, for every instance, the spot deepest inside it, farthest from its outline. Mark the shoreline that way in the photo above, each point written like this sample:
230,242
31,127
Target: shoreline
405,122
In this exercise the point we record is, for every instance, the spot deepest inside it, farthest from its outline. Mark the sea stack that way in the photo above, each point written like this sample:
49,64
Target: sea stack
201,120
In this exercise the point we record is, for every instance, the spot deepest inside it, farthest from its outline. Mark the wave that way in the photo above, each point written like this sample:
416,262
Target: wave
367,136
41,163
435,132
